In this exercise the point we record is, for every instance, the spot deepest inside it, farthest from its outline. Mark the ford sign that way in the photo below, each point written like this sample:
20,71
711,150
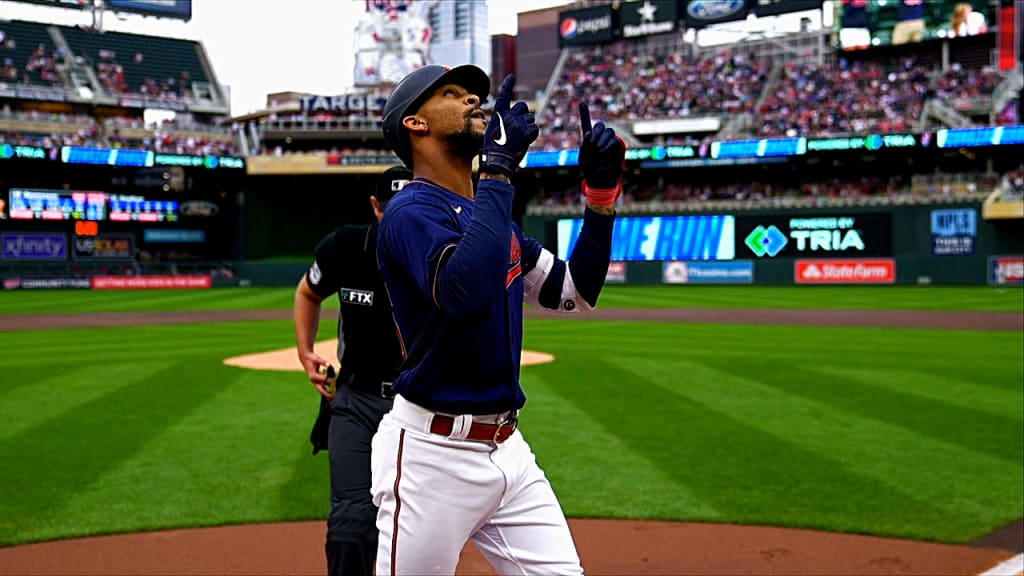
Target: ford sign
714,9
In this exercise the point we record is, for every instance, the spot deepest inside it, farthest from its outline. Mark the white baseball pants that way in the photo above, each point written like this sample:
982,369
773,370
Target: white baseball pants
435,493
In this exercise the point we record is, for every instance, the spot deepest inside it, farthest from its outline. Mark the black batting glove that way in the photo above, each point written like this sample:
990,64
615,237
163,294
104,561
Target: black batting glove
509,133
602,158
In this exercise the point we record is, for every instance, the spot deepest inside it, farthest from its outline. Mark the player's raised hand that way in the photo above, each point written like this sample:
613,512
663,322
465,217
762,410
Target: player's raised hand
509,133
602,158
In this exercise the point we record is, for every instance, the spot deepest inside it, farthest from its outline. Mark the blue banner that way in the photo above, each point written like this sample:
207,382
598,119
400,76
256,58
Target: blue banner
106,156
987,136
34,246
954,232
655,238
728,272
156,235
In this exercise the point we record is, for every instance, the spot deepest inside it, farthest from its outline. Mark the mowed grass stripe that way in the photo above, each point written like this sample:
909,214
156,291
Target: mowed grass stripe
49,463
747,474
893,455
1001,403
973,430
739,353
77,301
225,461
961,298
46,392
587,464
52,349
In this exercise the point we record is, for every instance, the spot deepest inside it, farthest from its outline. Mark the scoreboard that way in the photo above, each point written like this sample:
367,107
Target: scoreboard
135,208
43,204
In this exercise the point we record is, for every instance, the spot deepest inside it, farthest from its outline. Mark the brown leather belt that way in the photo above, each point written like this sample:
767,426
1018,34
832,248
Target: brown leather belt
478,431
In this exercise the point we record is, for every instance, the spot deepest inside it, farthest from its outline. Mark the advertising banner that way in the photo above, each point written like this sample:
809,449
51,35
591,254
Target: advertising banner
104,247
729,272
34,246
46,283
178,9
877,271
616,273
701,13
586,26
655,238
1006,270
156,235
842,236
776,7
954,232
645,18
149,282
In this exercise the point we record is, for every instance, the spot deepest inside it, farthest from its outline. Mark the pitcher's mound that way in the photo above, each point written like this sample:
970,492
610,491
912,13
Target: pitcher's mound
287,359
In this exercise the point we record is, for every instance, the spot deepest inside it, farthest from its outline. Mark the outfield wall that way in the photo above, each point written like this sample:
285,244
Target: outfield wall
921,244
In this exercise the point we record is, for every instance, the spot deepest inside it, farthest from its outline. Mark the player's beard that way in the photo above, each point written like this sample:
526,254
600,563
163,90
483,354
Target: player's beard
467,141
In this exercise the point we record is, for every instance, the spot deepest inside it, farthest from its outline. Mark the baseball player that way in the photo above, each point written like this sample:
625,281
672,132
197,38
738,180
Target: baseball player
346,265
448,463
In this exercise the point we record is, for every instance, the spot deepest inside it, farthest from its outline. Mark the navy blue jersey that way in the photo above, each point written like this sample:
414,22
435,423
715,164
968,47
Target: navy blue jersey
910,10
346,264
457,283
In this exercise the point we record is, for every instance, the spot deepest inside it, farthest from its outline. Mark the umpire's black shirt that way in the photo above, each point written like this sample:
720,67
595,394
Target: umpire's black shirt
346,263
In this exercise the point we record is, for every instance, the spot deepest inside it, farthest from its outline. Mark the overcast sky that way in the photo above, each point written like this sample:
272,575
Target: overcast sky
257,48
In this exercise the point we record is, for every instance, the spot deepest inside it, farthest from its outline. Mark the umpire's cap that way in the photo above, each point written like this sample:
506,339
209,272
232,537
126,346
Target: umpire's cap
415,88
390,182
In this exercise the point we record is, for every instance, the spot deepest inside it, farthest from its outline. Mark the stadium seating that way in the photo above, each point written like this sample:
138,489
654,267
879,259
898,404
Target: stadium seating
28,55
136,64
862,97
623,83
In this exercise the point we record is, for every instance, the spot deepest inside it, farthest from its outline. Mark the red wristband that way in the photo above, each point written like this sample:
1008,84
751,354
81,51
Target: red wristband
602,196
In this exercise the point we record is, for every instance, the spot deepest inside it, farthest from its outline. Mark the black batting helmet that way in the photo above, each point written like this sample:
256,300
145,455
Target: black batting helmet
390,182
411,91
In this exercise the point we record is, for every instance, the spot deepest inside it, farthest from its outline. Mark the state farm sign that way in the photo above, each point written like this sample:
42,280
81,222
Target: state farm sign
881,271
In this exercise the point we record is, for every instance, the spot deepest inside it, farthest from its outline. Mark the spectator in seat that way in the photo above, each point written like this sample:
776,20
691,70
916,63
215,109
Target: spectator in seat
965,21
910,27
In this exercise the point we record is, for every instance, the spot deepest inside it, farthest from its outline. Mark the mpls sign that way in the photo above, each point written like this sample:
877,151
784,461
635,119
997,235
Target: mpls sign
863,235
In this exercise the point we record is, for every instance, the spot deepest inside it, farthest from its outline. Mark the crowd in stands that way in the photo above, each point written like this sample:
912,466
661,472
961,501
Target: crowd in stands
935,187
960,82
118,132
847,99
622,83
40,68
801,99
111,75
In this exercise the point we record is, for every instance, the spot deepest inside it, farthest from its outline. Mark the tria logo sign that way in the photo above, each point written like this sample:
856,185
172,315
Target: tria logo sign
827,240
807,235
766,241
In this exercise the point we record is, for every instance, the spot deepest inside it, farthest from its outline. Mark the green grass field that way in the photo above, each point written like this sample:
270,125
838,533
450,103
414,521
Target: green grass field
898,432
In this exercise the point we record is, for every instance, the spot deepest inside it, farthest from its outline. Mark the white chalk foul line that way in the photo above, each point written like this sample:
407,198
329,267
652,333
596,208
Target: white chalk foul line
1012,567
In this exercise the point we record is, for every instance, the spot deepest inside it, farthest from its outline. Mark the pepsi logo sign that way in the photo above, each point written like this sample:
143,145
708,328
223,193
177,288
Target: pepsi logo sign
568,28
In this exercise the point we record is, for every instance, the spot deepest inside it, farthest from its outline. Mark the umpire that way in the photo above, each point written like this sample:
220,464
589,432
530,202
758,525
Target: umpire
352,405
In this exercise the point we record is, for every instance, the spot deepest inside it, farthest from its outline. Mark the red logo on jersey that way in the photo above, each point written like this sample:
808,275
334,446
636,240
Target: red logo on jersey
515,264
